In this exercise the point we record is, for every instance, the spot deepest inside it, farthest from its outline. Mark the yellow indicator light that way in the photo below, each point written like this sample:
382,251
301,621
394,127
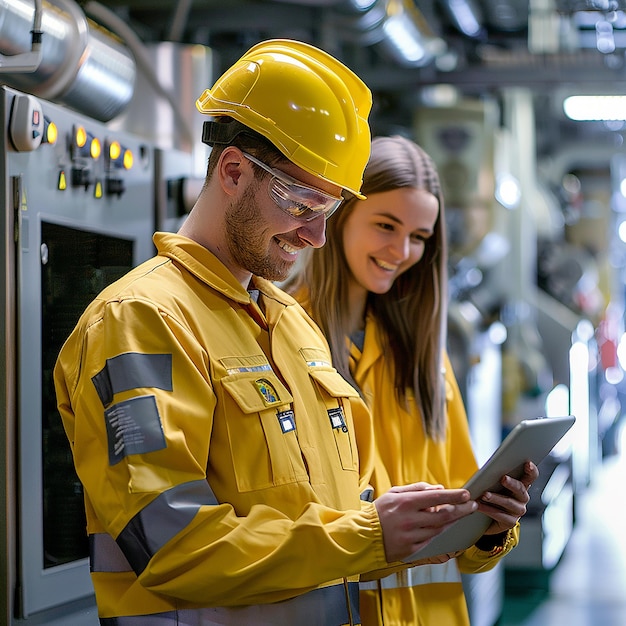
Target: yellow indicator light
95,148
115,150
97,192
80,136
62,181
52,133
128,159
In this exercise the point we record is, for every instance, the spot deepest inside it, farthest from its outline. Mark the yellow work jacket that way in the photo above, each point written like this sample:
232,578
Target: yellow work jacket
216,445
426,595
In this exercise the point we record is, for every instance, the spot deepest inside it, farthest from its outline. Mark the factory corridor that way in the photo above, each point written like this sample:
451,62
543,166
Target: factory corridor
588,586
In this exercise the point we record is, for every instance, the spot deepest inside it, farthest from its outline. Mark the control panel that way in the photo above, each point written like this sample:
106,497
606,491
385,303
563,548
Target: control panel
77,156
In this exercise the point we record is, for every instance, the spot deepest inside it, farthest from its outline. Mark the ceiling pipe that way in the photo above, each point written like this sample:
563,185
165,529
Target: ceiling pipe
26,61
466,16
408,38
83,67
396,27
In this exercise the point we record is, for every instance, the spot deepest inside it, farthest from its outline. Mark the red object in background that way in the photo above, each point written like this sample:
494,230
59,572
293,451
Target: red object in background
608,338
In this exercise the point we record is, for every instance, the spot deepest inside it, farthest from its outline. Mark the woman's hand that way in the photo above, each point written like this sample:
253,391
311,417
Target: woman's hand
507,508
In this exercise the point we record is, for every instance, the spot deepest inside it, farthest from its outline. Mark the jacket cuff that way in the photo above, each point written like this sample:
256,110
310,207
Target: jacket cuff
496,544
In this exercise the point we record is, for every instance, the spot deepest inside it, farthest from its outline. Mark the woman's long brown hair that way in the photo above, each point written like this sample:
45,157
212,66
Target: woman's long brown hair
412,315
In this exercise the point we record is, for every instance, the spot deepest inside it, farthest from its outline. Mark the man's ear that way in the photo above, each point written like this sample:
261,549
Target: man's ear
230,170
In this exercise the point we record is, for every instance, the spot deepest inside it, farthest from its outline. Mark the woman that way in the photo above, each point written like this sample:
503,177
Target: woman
378,291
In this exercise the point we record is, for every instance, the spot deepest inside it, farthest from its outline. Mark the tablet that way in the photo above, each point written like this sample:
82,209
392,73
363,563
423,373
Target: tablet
530,440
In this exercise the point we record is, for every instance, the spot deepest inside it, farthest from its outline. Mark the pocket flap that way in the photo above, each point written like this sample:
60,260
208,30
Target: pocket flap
334,383
254,393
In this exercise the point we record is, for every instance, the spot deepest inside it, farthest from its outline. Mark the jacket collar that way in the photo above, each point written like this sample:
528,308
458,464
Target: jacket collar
205,266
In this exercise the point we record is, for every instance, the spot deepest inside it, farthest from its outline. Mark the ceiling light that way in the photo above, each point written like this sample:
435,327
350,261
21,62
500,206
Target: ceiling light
595,108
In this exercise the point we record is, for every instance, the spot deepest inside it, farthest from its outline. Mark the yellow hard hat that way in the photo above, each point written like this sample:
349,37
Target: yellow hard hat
308,104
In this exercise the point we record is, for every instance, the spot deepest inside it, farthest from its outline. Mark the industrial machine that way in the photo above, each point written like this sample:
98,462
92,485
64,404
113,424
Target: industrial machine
79,212
93,161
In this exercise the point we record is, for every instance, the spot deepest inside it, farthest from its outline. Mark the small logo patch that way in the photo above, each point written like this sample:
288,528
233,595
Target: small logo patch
267,391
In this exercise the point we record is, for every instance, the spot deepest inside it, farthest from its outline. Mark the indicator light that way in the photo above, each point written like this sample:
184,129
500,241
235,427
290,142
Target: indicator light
115,150
95,148
51,132
119,156
85,144
80,136
128,159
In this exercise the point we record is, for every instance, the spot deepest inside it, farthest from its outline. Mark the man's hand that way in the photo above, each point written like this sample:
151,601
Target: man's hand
412,515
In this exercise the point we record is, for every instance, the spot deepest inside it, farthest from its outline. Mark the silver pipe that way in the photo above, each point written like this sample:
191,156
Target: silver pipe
82,65
26,61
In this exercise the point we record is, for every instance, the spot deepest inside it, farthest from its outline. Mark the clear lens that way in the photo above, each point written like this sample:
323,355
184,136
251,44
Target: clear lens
302,202
296,198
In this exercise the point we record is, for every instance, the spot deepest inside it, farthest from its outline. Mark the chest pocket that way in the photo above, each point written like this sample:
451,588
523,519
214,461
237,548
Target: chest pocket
261,431
335,392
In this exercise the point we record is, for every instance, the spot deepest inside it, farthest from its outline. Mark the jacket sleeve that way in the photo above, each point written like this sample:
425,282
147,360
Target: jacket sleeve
141,452
474,560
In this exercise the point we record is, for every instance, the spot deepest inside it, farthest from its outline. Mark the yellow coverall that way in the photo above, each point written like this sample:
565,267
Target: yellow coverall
217,448
426,595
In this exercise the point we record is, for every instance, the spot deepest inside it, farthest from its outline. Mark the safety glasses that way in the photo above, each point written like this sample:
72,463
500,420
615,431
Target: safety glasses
299,200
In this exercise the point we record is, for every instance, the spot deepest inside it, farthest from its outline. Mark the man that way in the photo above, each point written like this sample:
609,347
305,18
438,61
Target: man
216,444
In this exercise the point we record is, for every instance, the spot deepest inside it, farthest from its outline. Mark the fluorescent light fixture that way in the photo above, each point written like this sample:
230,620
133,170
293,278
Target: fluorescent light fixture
595,108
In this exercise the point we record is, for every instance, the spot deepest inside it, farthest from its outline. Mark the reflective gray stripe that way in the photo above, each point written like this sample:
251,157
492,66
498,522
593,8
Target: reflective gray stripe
168,514
132,370
320,607
447,572
105,555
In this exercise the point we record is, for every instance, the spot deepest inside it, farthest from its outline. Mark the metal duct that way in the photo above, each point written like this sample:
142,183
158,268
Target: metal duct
466,16
397,27
83,66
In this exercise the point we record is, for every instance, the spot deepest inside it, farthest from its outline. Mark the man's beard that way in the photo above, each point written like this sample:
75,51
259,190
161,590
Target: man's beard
247,243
